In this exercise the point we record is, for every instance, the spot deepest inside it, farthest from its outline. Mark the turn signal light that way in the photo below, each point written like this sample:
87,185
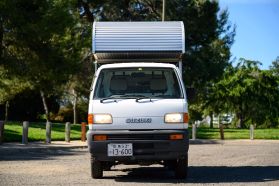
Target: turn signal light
90,119
176,136
185,118
100,137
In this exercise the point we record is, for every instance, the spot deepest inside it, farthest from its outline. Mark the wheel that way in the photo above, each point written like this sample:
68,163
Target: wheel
107,166
170,164
181,168
96,168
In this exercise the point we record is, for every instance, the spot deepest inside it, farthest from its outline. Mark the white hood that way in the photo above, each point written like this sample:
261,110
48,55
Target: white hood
123,109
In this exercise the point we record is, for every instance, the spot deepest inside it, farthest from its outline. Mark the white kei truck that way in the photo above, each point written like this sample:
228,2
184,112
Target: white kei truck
138,112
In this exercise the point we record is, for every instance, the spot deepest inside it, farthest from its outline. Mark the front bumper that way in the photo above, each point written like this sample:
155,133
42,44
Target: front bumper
153,145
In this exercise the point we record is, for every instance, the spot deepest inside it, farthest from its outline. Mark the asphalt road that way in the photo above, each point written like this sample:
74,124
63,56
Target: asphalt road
240,162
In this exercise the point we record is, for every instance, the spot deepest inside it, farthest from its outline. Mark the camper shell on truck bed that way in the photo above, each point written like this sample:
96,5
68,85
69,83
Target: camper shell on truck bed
138,111
114,42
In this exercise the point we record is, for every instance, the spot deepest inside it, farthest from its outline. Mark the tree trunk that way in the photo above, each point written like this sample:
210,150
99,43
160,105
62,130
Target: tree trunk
211,120
219,120
45,105
75,106
240,120
1,37
7,110
241,115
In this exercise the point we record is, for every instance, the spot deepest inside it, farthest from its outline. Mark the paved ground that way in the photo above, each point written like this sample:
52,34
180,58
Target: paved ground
239,162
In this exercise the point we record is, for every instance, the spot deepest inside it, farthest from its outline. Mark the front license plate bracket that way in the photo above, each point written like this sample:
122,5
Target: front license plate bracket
120,149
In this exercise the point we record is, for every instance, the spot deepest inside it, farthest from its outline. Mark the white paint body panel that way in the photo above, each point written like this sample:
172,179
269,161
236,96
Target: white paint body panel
122,109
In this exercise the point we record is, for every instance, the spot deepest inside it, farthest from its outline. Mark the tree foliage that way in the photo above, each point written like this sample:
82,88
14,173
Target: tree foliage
10,86
208,35
45,46
275,67
252,94
41,44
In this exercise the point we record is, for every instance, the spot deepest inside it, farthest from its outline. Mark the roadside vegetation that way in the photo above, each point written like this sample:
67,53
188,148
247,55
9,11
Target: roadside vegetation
234,133
46,65
37,132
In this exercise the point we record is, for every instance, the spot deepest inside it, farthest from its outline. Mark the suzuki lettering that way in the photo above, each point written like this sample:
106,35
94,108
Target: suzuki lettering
138,120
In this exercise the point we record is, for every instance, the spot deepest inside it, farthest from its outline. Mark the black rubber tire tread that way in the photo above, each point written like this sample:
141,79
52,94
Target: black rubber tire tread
170,164
96,168
181,169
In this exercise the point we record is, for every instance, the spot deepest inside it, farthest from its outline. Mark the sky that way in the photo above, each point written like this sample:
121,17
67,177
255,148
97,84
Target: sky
257,29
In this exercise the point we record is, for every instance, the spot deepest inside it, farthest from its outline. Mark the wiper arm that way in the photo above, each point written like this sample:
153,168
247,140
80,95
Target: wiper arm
110,97
137,97
104,99
143,97
119,97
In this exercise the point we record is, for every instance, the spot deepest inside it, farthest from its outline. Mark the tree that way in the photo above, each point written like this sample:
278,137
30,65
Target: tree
275,66
78,88
42,41
252,94
208,35
27,106
10,87
46,40
208,38
125,10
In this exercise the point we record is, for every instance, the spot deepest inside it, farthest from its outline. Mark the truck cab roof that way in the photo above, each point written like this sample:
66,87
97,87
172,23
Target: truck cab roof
137,64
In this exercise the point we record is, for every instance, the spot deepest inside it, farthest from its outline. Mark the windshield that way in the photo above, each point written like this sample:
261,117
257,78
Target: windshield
137,82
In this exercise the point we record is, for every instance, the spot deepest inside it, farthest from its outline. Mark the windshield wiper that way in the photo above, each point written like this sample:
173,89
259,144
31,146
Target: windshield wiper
110,97
120,97
140,97
137,97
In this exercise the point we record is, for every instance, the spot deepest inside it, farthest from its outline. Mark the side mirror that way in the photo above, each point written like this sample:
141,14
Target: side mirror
191,94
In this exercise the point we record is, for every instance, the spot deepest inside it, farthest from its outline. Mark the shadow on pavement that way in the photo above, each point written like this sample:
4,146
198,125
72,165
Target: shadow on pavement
39,152
205,142
202,174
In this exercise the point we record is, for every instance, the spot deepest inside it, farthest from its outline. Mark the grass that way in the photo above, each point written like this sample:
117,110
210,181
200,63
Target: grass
207,133
37,132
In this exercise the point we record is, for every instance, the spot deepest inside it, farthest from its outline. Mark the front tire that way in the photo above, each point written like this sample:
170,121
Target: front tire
96,168
181,168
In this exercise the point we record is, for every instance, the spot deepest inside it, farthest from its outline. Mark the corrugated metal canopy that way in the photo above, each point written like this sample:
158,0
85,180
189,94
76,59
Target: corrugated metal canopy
138,41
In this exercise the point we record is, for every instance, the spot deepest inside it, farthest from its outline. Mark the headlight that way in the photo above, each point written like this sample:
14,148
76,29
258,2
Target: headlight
176,118
102,119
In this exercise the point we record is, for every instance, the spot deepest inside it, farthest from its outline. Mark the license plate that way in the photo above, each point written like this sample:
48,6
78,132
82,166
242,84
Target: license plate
120,149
